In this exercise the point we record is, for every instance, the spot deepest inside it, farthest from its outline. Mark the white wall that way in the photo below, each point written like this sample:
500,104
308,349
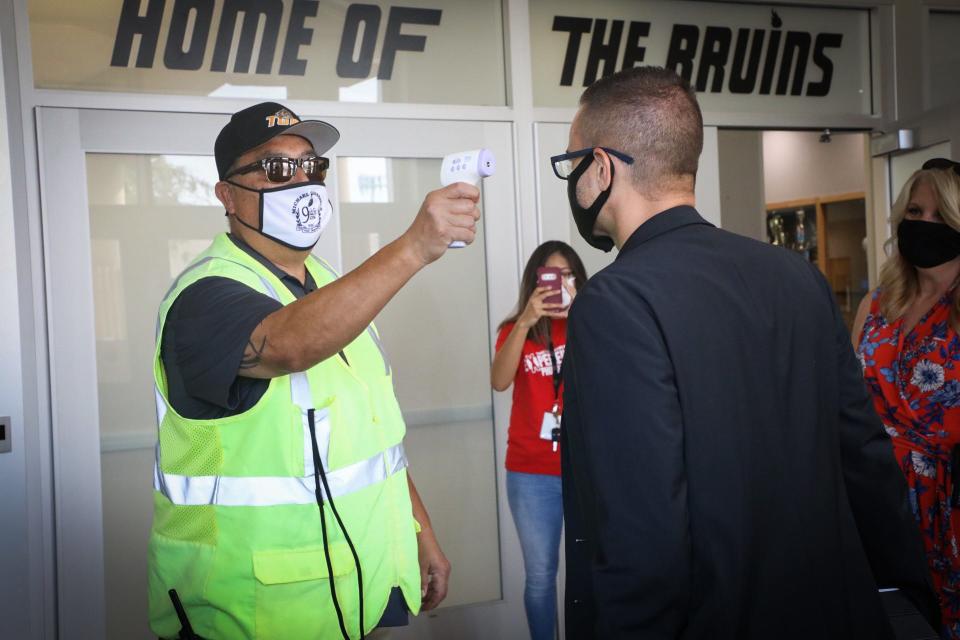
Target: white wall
14,543
796,165
903,165
742,201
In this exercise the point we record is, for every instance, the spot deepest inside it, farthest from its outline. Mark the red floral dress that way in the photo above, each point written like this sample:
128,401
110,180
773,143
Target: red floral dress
915,382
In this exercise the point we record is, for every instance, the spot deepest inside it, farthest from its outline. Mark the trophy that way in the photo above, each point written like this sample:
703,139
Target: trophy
800,237
775,229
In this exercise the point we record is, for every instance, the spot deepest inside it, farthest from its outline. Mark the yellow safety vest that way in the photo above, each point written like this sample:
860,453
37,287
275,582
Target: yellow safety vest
236,527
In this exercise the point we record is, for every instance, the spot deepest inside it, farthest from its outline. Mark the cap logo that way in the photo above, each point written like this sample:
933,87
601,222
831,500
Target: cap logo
282,118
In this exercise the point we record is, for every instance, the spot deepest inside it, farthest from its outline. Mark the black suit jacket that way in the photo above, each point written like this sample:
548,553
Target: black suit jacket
724,473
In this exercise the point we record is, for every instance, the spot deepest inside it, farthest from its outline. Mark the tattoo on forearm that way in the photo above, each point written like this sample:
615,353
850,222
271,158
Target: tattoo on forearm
253,354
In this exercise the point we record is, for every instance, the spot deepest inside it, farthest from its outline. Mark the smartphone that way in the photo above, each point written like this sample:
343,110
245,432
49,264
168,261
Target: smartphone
550,277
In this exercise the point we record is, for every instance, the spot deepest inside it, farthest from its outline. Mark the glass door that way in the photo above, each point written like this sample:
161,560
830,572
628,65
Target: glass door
127,203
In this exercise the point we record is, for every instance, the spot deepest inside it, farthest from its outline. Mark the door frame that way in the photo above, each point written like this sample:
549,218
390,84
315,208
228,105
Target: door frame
64,137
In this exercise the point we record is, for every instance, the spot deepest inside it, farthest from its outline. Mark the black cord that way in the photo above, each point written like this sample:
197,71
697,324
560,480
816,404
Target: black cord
353,550
186,631
320,475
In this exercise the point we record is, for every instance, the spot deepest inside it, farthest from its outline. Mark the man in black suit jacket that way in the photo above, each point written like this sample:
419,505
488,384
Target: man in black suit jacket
724,473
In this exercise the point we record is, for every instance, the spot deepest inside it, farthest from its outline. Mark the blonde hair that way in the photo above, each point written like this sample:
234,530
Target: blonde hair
898,278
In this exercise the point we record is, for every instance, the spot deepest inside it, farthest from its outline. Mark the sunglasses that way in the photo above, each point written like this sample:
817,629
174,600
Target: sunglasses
283,169
563,163
943,164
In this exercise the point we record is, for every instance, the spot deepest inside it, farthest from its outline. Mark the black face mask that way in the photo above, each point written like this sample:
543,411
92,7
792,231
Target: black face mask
587,217
927,244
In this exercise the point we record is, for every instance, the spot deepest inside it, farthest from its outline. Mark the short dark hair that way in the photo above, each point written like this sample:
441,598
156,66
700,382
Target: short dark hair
651,114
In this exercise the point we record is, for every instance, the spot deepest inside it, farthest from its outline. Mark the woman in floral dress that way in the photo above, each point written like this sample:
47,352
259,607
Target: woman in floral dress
907,336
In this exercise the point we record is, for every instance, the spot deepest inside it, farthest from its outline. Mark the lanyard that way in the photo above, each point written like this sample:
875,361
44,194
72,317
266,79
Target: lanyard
557,378
555,432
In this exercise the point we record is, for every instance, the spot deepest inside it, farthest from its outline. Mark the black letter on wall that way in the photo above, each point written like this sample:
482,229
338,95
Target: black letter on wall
634,53
716,50
797,43
369,16
824,41
272,10
395,41
191,58
740,81
576,27
770,63
132,23
297,35
607,53
683,49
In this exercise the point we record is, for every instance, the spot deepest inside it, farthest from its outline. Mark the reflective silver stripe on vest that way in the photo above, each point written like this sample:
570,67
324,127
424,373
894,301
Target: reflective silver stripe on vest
300,390
230,491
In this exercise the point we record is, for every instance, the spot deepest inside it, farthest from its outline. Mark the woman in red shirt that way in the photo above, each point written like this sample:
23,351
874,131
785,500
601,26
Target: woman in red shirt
529,355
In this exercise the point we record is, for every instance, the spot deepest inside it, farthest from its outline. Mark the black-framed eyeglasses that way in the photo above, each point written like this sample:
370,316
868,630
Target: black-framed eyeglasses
943,164
280,169
563,163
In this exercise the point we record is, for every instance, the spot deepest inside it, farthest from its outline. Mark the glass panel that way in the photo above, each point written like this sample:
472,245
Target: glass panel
436,331
279,50
149,216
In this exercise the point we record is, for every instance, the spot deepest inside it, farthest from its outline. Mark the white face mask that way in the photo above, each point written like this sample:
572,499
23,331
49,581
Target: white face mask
294,215
565,298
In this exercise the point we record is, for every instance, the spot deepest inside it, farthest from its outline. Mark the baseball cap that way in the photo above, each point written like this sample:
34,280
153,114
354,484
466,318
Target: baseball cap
254,125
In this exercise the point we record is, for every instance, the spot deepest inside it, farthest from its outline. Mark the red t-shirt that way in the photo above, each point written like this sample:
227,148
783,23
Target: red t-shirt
532,397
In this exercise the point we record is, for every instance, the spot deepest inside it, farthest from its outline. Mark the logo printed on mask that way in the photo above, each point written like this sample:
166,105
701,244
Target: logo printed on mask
283,118
293,214
308,214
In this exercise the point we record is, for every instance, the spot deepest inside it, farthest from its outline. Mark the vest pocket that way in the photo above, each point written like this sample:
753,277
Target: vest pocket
184,566
293,592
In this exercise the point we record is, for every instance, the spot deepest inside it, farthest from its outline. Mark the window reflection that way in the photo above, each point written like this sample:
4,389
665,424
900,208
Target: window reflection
186,180
253,92
365,91
125,180
150,215
110,317
108,290
181,253
365,180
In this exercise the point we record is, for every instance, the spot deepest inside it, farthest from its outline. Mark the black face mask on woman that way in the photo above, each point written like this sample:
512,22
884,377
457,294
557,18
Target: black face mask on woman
927,244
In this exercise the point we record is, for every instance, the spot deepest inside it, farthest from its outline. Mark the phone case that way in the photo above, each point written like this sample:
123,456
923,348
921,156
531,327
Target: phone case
550,277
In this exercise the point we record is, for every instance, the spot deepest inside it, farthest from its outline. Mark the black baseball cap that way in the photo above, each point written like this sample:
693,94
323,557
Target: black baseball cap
254,125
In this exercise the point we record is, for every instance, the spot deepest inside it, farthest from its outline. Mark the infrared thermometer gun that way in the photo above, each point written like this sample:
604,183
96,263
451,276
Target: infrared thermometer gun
467,166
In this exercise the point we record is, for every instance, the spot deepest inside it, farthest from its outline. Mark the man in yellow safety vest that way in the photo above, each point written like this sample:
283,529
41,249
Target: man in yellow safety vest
282,506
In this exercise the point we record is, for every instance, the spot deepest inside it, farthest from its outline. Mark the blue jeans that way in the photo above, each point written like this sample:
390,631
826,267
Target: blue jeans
536,502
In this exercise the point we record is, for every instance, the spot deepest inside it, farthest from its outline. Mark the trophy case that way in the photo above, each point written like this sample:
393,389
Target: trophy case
794,228
828,231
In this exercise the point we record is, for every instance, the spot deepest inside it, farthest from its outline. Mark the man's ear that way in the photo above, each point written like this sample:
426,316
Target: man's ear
602,160
225,195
